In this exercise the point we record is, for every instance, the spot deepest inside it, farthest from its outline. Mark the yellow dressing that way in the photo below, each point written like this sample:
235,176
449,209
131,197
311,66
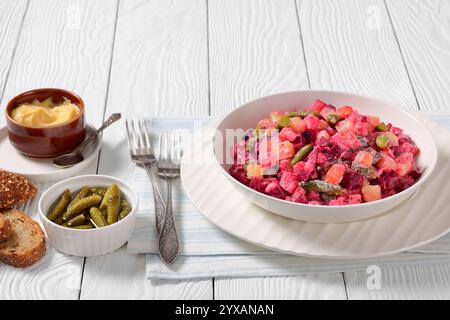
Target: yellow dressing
45,113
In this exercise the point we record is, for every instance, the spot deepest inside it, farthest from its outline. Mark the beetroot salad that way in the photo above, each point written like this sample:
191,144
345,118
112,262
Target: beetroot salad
325,155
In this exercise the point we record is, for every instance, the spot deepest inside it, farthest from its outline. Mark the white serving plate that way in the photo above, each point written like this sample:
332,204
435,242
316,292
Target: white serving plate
42,169
419,220
246,116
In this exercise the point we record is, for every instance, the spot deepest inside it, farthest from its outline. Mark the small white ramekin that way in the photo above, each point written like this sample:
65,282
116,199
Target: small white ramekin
89,242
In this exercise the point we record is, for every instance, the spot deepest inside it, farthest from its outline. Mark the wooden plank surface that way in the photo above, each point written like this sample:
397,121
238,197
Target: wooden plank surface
70,49
350,46
421,282
159,68
321,286
120,275
255,50
423,31
11,20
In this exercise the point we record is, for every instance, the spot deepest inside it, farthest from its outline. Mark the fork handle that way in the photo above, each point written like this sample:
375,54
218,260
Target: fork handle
168,238
160,208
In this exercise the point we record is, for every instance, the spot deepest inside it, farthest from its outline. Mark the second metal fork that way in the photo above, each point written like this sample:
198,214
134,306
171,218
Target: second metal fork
169,170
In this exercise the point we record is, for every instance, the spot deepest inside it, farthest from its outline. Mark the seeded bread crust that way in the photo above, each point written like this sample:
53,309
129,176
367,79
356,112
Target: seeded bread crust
5,229
14,189
26,244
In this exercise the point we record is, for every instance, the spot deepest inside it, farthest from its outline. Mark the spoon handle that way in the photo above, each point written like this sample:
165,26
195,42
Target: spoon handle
112,118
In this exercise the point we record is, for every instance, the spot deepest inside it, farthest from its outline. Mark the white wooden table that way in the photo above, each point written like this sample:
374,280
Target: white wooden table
200,57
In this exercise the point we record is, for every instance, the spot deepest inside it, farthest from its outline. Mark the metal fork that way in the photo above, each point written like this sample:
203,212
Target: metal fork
141,153
169,170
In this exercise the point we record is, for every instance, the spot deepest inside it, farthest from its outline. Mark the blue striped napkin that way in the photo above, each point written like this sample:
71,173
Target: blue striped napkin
207,251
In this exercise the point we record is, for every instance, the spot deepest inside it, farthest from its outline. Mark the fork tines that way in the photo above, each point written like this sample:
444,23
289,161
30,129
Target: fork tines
138,140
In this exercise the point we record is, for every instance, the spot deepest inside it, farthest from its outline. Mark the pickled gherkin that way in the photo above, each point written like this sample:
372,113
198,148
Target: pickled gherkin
97,217
304,114
83,226
82,194
81,205
59,220
368,172
125,209
321,186
112,201
60,207
302,153
100,191
284,122
79,219
104,203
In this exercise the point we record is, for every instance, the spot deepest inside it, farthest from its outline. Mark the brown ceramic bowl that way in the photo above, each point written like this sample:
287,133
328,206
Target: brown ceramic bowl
46,141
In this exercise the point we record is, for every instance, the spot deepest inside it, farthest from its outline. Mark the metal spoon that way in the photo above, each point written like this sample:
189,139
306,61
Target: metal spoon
69,159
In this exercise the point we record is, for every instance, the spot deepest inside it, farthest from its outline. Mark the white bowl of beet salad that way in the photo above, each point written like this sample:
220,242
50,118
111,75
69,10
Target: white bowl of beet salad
324,156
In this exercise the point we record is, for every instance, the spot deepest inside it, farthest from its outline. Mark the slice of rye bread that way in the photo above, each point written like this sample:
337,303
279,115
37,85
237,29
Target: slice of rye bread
14,189
5,228
26,244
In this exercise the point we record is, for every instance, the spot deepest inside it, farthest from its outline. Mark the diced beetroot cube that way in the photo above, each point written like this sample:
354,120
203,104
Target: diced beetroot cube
404,163
388,152
331,131
238,172
288,181
354,199
335,173
322,138
318,105
407,147
312,122
352,140
258,184
313,196
352,180
285,165
339,201
326,111
287,134
299,195
303,170
271,187
315,203
362,128
321,158
396,131
346,141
